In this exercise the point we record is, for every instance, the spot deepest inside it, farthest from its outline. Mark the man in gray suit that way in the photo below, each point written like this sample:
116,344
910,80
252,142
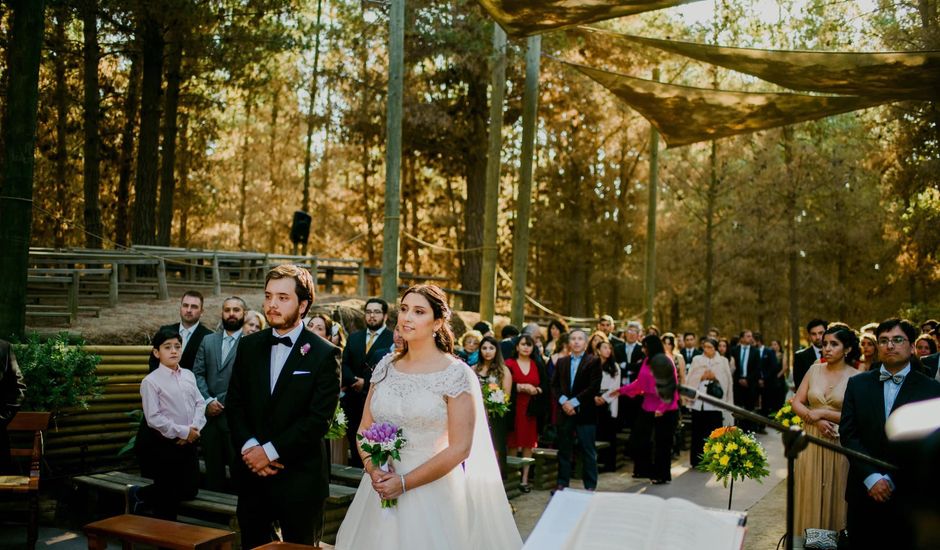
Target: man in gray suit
213,369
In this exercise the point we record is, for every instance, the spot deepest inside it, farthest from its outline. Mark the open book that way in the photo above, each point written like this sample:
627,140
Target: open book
629,521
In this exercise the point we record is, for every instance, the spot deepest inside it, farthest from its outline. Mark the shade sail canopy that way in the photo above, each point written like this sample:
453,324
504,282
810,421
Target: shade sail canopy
528,17
685,115
895,75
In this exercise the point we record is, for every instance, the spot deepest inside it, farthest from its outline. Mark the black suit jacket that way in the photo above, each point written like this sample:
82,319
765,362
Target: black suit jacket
930,364
634,362
12,392
687,356
358,363
587,385
769,367
192,347
802,361
862,428
620,349
294,418
753,365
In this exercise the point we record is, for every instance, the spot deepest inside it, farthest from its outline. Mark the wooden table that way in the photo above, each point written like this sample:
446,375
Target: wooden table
156,532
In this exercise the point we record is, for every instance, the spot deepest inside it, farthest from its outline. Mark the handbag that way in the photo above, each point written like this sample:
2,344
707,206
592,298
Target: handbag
821,539
714,389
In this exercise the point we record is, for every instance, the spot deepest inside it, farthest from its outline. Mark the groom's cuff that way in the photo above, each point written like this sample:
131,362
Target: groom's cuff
270,451
249,444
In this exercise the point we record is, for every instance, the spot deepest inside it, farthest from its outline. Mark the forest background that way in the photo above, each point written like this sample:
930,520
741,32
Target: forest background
208,123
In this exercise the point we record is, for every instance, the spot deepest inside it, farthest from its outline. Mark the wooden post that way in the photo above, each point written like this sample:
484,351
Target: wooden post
520,245
650,279
164,293
314,269
73,298
216,276
390,231
361,285
491,200
113,286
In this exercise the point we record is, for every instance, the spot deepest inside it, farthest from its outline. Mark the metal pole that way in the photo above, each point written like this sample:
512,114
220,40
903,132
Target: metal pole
491,195
650,279
520,244
390,232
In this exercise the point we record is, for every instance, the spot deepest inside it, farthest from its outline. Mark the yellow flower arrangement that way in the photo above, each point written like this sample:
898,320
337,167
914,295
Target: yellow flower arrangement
787,416
719,458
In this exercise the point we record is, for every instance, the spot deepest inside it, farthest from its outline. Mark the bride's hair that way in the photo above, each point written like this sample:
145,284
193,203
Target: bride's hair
443,337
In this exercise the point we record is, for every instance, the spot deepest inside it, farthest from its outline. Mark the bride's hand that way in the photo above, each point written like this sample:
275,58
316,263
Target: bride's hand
390,488
378,476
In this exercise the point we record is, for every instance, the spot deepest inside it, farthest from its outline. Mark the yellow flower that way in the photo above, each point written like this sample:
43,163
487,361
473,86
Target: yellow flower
743,451
718,447
707,447
724,460
786,422
797,420
748,464
731,446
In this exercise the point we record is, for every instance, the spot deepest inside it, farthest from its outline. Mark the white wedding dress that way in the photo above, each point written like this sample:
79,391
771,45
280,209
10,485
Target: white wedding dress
466,509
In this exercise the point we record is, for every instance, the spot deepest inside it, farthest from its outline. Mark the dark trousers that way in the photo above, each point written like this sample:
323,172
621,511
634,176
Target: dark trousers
703,422
654,438
6,463
300,522
874,525
607,428
569,431
217,449
352,404
746,398
175,470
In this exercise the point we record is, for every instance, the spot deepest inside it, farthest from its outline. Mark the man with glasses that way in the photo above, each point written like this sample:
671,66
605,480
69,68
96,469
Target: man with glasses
879,501
364,349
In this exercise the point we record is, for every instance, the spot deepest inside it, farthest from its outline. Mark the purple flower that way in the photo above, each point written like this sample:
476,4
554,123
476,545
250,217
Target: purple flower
381,433
304,349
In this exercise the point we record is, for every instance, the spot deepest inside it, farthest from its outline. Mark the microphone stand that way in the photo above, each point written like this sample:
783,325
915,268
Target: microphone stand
794,441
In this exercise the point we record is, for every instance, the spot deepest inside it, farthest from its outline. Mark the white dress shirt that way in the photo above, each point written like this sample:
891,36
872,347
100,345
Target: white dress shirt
185,333
172,402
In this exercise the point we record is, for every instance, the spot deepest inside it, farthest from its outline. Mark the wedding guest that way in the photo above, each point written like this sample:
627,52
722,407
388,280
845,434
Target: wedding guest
607,427
561,350
556,327
929,326
669,344
362,353
652,330
767,384
484,328
746,369
869,328
596,338
781,385
189,328
576,382
803,359
821,473
340,334
507,344
213,371
689,349
925,345
877,499
714,333
254,322
724,348
709,368
655,426
629,407
528,384
470,347
12,393
606,325
174,412
869,356
321,324
492,368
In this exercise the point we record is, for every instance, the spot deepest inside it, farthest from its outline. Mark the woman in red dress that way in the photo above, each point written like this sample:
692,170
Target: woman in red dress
525,377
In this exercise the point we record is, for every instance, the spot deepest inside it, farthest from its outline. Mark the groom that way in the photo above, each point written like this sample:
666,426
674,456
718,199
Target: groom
281,400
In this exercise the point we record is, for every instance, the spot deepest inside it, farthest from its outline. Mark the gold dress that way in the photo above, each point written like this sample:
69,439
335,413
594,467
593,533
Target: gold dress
820,473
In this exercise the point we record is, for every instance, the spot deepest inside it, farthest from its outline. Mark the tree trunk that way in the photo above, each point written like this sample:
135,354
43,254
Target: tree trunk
91,166
185,156
308,153
243,185
793,258
711,200
145,189
475,176
62,119
19,136
174,62
126,162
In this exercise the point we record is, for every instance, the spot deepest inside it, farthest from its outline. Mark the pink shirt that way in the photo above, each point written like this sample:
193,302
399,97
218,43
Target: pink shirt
645,385
172,402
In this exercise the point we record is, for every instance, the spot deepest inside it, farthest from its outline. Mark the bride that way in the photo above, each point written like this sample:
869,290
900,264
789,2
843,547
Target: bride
449,490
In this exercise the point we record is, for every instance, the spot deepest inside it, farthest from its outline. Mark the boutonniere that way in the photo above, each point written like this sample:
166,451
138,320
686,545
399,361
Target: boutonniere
304,349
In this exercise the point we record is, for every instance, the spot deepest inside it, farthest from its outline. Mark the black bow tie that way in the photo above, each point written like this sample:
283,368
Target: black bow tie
282,340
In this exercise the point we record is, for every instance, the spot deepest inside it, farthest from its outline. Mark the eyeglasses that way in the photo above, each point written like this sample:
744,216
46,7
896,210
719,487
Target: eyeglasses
897,341
373,312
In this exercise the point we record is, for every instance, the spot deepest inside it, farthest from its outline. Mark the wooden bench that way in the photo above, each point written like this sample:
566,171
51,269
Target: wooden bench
214,507
350,476
130,529
546,468
33,424
513,479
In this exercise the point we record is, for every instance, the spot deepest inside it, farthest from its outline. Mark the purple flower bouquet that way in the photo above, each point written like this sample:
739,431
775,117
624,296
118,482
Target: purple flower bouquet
383,443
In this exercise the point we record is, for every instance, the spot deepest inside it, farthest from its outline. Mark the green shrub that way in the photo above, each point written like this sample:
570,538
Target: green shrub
57,375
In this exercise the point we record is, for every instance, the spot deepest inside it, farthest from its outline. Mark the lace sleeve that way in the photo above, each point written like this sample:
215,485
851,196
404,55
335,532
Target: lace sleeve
457,379
381,370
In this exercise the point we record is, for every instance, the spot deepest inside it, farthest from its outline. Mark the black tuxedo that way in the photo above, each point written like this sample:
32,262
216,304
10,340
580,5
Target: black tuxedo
581,426
802,361
689,354
12,391
746,397
358,363
862,429
930,364
620,349
192,346
770,395
294,419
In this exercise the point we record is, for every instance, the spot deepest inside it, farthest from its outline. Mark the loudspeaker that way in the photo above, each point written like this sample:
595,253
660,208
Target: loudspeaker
300,228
